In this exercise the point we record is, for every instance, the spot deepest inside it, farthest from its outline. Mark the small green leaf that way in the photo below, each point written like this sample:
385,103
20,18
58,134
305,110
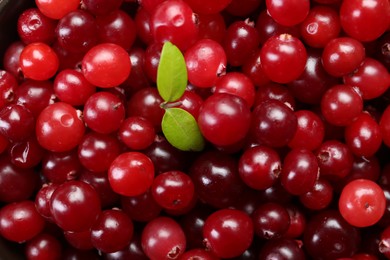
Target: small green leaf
181,130
171,73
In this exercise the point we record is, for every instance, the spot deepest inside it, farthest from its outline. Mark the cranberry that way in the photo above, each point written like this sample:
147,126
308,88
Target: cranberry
43,246
71,200
228,233
163,238
20,221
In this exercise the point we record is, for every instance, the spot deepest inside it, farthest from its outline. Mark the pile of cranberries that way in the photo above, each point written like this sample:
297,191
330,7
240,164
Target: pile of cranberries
292,98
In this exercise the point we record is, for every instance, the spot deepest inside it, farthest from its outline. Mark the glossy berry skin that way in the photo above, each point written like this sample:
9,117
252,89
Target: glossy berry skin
38,61
311,85
112,231
321,25
282,12
106,65
16,184
236,83
283,58
259,167
300,171
173,190
211,26
240,41
207,7
42,200
137,133
274,124
71,200
20,221
319,197
371,78
146,103
117,27
43,247
104,112
335,159
228,233
271,220
205,61
70,86
362,203
77,31
33,26
131,174
173,21
218,113
282,248
363,136
342,56
16,123
26,154
58,167
310,131
341,104
329,236
102,7
216,179
274,91
97,151
56,9
163,238
35,95
59,127
8,84
365,21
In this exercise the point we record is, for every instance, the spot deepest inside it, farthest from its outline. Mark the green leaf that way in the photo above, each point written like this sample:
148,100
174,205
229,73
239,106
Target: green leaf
181,130
171,73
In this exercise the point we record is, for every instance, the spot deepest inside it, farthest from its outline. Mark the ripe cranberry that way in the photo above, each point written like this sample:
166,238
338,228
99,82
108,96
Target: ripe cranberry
17,123
362,203
259,167
8,84
33,26
207,7
38,61
321,25
104,112
43,246
101,7
240,41
283,58
274,91
76,31
329,236
112,231
228,233
59,127
57,9
211,26
364,22
131,173
16,184
71,200
116,27
341,104
238,84
205,60
106,65
342,56
371,78
218,113
173,20
283,14
163,238
20,221
79,240
137,133
173,190
274,124
282,248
